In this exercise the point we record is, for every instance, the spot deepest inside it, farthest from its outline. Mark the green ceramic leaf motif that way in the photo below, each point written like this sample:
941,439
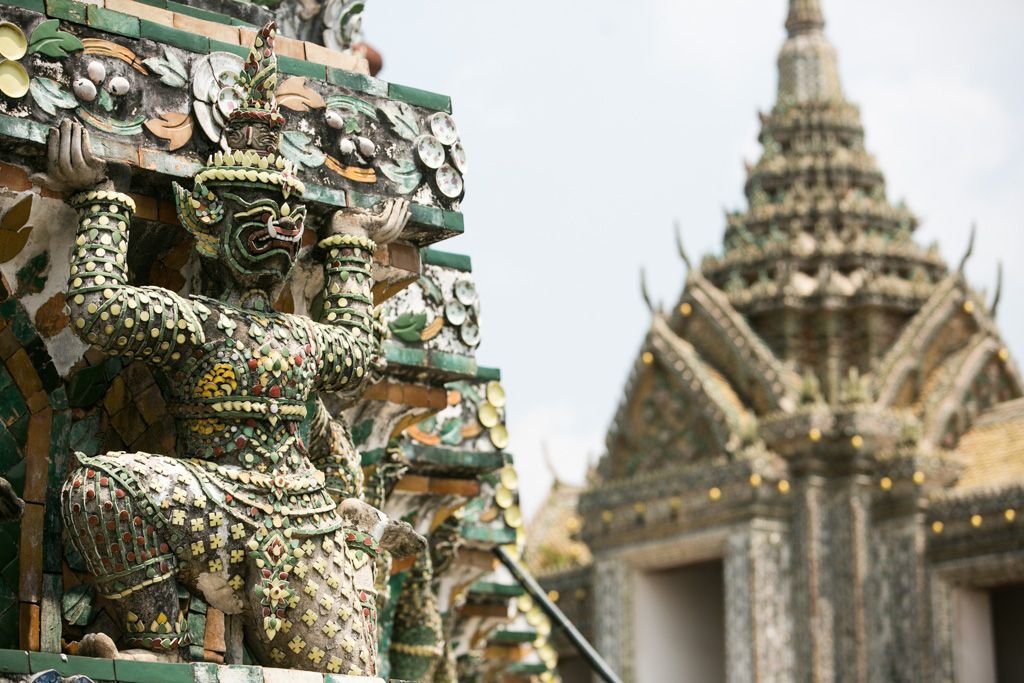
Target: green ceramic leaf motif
49,95
49,40
170,69
353,104
408,326
451,432
431,290
299,147
404,174
403,119
126,127
105,100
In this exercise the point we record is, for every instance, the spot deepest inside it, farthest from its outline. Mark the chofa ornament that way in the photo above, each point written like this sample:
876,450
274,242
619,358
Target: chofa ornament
239,514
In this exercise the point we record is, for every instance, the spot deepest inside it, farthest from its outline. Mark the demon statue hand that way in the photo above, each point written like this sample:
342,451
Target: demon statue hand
239,514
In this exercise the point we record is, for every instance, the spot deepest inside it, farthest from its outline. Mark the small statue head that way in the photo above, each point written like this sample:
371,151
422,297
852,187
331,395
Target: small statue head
245,207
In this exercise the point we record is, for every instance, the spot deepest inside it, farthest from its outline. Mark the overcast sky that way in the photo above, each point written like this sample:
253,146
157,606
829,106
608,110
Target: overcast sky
591,126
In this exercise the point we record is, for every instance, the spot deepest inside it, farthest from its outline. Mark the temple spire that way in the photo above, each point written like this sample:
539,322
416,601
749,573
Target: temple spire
804,16
808,71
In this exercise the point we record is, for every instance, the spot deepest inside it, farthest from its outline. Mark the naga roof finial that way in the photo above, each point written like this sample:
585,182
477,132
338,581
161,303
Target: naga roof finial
644,293
999,290
970,248
679,244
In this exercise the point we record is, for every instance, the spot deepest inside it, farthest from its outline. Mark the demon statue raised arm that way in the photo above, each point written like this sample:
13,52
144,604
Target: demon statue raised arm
239,514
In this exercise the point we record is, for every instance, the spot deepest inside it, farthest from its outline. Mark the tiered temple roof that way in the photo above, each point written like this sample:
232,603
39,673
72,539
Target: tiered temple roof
821,383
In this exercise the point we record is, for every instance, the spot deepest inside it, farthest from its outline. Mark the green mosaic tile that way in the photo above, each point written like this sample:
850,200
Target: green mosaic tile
112,368
426,215
355,81
300,67
446,259
325,195
34,5
13,661
503,636
454,221
505,589
420,98
371,456
19,429
67,9
40,357
67,665
128,671
193,42
481,460
59,399
16,476
483,534
196,627
488,374
525,668
113,22
219,46
23,129
22,327
403,356
87,386
463,365
12,404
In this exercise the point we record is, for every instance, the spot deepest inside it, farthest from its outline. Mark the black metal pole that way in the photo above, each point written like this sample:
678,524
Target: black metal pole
597,664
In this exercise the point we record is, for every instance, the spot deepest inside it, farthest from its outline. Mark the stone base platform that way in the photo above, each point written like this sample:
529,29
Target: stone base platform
19,666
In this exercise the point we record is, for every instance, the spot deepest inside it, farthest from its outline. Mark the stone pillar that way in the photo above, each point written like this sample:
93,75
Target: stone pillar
758,604
740,595
613,616
897,599
830,555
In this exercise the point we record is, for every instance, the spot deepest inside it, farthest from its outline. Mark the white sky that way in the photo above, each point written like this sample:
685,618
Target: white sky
590,126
